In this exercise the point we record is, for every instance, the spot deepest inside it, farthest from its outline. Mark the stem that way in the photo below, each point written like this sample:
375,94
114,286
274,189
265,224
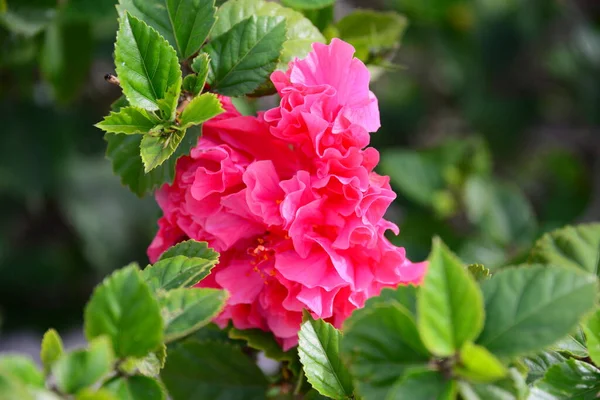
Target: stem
299,383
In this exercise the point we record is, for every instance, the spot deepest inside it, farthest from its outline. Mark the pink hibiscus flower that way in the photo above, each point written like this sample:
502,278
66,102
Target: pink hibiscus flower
291,201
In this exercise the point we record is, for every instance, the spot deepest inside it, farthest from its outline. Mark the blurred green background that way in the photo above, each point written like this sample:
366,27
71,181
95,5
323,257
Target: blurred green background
490,135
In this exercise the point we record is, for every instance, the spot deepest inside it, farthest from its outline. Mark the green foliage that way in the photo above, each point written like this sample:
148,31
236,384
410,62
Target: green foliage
572,246
592,334
82,368
243,57
194,83
124,152
147,65
371,32
449,304
183,265
23,369
129,120
184,23
155,150
572,379
477,364
263,341
318,347
301,33
532,307
201,109
124,309
382,326
135,388
187,310
51,349
211,370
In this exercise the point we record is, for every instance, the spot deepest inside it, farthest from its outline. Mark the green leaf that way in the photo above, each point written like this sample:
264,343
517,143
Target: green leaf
571,246
187,310
479,272
479,365
82,368
539,364
101,394
201,109
371,31
301,33
531,307
405,295
136,388
183,265
11,388
66,57
592,334
147,65
124,308
450,305
155,150
380,344
194,83
572,379
263,341
318,347
572,344
423,384
168,105
191,249
212,370
307,4
244,57
511,388
501,211
124,152
51,350
184,23
128,120
23,369
425,179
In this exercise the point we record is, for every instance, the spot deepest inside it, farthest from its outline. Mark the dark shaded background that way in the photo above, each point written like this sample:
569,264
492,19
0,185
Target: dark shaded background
490,135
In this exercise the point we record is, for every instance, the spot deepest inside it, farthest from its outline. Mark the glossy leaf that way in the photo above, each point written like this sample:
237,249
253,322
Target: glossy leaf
301,33
184,23
136,388
123,308
212,370
51,349
479,272
531,307
147,65
319,348
573,344
155,150
186,310
124,152
572,379
450,305
538,364
194,83
573,246
380,344
128,120
201,109
243,58
82,368
405,295
183,265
